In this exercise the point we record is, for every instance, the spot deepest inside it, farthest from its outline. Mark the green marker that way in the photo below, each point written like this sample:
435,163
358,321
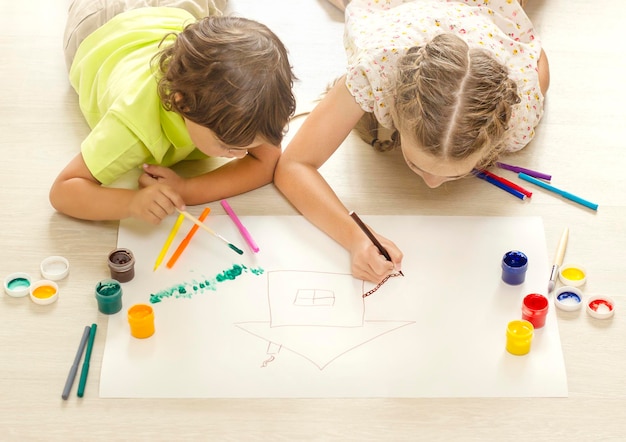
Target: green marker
85,369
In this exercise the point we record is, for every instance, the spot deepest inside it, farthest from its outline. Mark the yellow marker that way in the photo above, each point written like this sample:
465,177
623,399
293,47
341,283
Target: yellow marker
169,240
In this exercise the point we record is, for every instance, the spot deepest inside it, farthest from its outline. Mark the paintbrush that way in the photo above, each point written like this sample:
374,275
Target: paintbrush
200,224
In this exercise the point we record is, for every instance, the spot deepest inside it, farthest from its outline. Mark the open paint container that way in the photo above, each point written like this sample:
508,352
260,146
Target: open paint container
601,307
572,275
44,292
17,284
54,268
568,298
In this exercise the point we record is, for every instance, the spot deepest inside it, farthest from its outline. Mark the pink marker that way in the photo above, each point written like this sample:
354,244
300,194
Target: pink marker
244,232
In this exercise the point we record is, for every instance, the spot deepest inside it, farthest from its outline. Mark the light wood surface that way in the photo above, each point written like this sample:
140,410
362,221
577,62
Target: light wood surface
580,141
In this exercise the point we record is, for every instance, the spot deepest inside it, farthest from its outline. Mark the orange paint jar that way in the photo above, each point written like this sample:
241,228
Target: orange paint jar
141,321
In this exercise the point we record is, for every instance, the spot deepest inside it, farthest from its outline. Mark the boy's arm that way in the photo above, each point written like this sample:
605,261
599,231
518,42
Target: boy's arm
77,193
233,178
298,178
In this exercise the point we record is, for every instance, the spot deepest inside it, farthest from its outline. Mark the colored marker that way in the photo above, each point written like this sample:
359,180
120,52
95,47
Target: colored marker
72,374
194,220
511,184
500,184
185,242
85,370
242,229
563,193
517,169
371,236
558,259
169,240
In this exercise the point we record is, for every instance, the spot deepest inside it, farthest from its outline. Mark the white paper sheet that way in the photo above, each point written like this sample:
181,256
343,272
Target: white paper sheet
293,323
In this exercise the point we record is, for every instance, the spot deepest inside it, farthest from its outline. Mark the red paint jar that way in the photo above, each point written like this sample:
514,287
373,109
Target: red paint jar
535,309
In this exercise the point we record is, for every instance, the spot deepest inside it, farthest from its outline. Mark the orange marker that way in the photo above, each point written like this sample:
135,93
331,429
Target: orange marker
183,244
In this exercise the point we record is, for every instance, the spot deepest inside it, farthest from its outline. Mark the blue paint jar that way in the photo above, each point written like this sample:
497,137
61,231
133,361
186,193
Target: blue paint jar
514,266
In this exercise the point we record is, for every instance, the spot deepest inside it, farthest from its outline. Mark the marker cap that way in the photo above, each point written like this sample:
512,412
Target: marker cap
601,307
17,284
44,292
573,275
568,298
54,268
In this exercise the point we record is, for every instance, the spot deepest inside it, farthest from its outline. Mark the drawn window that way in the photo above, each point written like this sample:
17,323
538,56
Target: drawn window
314,297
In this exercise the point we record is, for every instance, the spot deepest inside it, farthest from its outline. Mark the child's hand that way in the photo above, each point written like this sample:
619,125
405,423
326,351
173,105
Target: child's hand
154,174
367,262
153,203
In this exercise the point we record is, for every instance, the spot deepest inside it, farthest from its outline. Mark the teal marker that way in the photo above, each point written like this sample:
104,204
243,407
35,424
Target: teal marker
85,370
563,193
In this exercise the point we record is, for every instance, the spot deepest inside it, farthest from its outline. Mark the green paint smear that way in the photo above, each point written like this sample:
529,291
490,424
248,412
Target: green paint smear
18,283
190,288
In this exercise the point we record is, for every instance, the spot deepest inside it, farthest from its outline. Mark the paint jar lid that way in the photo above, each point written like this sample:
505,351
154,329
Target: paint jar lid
573,275
601,307
54,268
568,298
44,292
17,284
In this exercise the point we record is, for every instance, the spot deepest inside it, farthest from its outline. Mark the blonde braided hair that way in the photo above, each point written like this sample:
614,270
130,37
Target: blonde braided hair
453,100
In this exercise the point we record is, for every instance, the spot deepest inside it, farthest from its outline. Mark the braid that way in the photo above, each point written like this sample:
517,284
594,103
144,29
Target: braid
453,100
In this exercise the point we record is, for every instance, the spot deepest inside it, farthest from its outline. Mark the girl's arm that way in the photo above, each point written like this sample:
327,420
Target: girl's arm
298,179
544,72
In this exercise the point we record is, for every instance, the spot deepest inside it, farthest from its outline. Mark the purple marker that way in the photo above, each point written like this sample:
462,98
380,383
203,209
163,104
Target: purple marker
517,169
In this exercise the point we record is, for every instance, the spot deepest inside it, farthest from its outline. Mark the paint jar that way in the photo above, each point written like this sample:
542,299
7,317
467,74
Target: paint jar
17,284
44,292
122,265
141,321
568,298
109,296
535,309
514,266
519,335
600,307
572,275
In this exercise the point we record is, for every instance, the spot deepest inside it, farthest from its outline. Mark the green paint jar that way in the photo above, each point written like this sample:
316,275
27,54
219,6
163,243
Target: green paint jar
109,296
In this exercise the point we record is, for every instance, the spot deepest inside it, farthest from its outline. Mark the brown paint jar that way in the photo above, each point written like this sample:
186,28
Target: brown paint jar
122,265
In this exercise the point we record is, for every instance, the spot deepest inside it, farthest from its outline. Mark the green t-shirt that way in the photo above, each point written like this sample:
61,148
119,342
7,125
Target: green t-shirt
117,88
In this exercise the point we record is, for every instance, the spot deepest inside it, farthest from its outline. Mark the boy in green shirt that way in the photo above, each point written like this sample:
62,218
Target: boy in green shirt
158,85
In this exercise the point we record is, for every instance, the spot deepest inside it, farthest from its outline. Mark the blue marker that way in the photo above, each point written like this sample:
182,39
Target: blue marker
563,193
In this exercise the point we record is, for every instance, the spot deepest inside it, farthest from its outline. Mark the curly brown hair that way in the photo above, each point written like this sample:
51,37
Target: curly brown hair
453,100
231,75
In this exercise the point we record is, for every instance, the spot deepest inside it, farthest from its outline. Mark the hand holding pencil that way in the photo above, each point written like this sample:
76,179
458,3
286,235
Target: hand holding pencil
374,266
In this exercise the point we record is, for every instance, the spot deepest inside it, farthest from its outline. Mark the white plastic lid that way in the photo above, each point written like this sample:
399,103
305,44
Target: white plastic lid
601,307
573,275
568,298
54,268
17,284
44,292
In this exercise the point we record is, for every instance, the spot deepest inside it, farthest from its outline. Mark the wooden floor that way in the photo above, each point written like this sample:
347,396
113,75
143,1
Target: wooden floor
580,142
